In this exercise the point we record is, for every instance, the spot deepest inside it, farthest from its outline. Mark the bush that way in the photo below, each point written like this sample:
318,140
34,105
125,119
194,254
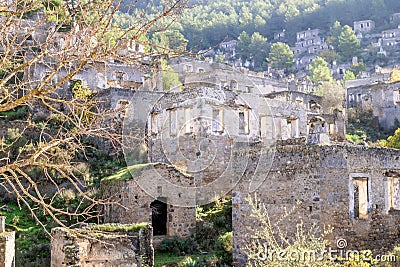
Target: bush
224,242
200,262
270,237
19,113
223,249
179,246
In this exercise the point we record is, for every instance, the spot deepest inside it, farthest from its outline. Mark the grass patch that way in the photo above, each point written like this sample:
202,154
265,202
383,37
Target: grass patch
125,173
114,227
166,259
170,260
30,237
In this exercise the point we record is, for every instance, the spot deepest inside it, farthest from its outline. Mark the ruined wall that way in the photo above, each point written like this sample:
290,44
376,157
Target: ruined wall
7,246
134,204
93,248
322,177
194,71
382,99
386,105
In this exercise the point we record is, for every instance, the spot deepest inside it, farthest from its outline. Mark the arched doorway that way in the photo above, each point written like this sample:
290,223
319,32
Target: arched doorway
159,217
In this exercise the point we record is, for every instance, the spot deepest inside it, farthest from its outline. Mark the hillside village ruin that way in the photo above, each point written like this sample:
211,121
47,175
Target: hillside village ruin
199,132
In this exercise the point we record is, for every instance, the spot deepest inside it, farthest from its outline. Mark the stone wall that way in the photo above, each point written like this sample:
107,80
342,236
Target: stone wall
92,248
7,246
223,75
382,99
133,204
321,178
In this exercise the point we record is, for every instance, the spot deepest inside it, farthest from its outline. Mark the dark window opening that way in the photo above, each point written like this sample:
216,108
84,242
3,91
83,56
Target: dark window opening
356,201
159,217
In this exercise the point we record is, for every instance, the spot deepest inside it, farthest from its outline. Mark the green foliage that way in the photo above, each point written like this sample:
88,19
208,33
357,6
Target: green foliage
77,203
224,242
214,229
252,48
178,246
320,71
357,137
348,44
392,141
223,248
220,58
358,67
19,113
31,238
112,227
209,22
80,90
363,127
348,75
170,78
197,261
125,173
171,39
329,56
269,233
334,33
243,46
57,13
168,260
280,56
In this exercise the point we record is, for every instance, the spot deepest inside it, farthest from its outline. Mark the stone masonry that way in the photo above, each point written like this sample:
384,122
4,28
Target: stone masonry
101,248
7,246
135,204
324,179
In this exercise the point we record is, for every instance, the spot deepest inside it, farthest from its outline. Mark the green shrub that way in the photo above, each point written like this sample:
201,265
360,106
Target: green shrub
225,242
192,261
223,249
19,113
178,246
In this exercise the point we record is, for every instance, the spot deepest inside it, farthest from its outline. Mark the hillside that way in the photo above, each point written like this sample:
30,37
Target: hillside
209,22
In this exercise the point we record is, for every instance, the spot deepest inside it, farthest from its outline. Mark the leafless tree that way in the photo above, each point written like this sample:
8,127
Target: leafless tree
44,45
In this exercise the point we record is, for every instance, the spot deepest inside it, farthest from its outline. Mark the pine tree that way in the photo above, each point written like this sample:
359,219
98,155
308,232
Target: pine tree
348,44
280,56
320,71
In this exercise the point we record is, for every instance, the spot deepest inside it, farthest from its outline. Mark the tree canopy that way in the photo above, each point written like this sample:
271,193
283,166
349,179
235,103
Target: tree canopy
320,71
348,44
280,56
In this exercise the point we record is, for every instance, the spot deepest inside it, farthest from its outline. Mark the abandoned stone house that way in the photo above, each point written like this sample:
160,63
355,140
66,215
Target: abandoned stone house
212,134
307,47
390,38
363,26
206,132
196,131
382,100
195,71
394,18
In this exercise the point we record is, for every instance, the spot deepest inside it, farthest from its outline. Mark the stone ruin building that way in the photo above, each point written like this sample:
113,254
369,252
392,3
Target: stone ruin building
380,99
202,133
221,125
137,206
